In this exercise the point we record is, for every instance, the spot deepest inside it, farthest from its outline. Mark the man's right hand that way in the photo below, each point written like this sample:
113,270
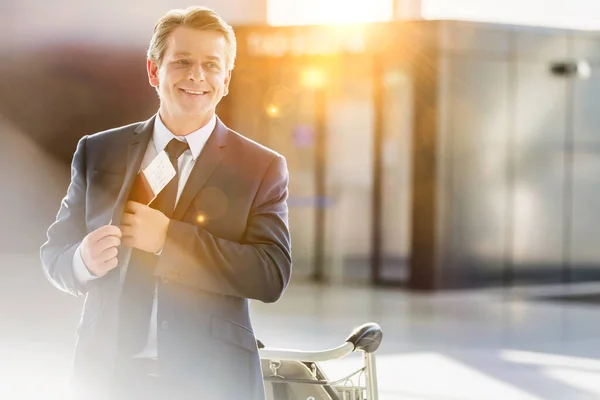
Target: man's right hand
99,250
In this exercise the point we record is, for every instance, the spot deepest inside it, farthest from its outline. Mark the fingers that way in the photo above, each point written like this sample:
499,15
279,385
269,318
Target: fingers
127,232
99,250
132,207
106,243
111,264
108,254
132,223
127,219
104,249
102,232
101,268
145,228
128,222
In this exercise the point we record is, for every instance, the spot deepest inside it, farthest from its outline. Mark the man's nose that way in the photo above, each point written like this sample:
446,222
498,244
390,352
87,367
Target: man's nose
196,73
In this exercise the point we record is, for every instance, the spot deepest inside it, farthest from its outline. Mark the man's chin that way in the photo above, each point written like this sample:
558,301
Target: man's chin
195,113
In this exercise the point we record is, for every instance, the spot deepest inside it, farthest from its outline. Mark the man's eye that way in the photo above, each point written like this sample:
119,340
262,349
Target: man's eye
182,62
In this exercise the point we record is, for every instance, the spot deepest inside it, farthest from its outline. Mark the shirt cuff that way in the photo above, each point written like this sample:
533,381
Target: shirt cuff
82,274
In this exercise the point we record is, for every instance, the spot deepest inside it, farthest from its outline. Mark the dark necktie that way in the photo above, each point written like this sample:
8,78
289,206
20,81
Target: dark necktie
138,288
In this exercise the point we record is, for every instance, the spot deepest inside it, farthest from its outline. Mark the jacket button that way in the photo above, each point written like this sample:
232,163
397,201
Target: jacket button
164,325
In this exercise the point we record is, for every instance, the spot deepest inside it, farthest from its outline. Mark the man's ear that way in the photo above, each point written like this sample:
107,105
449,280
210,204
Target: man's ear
152,73
227,81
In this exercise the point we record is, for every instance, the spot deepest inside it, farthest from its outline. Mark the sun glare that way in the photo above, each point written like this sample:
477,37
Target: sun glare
327,12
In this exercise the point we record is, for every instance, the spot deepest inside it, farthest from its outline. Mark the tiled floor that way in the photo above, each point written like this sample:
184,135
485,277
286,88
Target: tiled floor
472,345
489,344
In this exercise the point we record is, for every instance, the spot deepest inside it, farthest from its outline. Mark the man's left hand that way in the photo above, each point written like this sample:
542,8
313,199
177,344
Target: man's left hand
143,227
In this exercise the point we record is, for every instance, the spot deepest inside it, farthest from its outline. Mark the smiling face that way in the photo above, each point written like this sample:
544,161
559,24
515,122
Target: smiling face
191,79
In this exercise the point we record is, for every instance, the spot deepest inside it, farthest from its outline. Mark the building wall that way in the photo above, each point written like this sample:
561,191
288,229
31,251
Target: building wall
123,22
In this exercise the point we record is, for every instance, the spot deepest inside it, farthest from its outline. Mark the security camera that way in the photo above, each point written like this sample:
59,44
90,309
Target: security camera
580,69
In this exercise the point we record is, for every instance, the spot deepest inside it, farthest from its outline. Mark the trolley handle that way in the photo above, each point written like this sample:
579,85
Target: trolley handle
366,338
275,354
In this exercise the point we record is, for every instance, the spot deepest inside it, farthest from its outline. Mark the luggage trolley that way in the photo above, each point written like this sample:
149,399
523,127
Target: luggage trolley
296,375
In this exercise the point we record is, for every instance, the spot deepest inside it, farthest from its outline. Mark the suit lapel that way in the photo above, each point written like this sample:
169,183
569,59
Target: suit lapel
137,144
206,163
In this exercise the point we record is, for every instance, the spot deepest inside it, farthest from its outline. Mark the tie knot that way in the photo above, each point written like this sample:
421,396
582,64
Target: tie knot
175,148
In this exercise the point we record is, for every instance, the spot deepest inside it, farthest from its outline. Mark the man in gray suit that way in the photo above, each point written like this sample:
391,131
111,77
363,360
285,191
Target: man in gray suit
167,285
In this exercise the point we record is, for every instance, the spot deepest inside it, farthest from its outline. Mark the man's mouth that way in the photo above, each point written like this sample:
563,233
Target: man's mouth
194,92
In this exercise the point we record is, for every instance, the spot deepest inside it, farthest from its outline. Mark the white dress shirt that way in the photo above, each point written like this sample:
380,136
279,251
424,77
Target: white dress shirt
161,136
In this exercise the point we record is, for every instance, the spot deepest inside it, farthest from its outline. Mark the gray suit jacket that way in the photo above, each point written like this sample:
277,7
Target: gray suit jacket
209,268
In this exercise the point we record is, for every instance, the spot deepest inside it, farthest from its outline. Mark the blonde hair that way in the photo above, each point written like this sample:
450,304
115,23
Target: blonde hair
193,17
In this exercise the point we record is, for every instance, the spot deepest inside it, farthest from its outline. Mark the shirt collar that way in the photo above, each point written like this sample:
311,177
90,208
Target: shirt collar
196,140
